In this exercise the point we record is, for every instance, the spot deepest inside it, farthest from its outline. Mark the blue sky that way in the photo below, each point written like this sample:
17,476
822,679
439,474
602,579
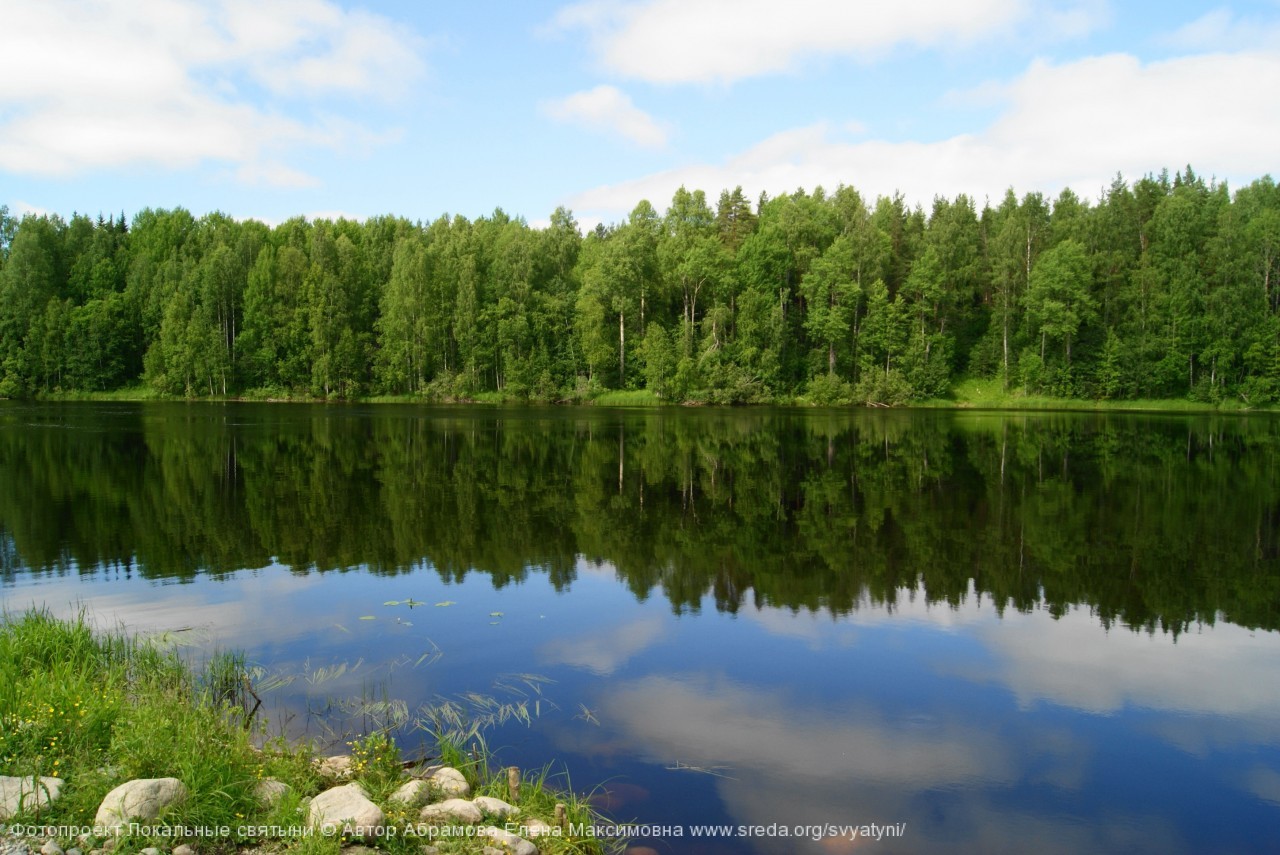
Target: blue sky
323,108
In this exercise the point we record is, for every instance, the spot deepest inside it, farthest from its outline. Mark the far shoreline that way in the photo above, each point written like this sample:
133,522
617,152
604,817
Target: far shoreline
983,400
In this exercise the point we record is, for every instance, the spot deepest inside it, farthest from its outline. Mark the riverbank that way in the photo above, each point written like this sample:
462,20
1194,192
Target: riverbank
86,715
968,394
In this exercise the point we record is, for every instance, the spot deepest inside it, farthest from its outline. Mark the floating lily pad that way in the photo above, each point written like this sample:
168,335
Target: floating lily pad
446,603
367,617
495,614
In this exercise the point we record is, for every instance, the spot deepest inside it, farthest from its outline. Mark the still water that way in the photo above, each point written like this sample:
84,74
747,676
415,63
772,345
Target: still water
996,633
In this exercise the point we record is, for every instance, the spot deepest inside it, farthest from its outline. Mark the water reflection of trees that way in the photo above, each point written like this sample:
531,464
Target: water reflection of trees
1153,522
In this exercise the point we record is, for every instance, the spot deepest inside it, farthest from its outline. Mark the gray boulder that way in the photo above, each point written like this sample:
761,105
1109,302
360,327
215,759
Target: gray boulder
269,792
448,781
459,810
495,807
337,767
347,807
412,793
536,828
29,793
142,799
508,842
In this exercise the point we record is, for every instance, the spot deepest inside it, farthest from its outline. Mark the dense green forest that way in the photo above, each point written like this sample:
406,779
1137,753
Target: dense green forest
1153,522
1169,288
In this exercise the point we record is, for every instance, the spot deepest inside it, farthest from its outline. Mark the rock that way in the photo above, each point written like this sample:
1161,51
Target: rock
337,767
489,850
412,793
268,792
183,849
150,850
508,843
144,799
460,810
347,806
19,794
495,807
449,782
51,847
532,827
74,851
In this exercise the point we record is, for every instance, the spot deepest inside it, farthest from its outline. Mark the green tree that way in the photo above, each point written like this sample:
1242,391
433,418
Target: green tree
1058,296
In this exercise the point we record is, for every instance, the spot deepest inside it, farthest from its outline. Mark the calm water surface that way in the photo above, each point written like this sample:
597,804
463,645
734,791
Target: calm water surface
1012,633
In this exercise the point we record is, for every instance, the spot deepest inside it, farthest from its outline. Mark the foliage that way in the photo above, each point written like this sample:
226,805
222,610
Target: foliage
1169,287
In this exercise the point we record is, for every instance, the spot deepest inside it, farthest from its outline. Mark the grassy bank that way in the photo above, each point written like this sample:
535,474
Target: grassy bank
97,710
966,394
991,394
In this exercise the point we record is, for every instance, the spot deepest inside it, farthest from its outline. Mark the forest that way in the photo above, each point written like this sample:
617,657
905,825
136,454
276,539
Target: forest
1166,288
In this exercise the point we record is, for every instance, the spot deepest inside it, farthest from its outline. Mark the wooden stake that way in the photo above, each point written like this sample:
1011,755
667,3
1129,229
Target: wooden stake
560,815
513,783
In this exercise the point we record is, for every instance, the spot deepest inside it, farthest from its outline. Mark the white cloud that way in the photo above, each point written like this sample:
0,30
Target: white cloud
784,760
1074,124
176,83
606,651
1265,784
1220,670
20,209
684,41
712,722
1221,29
609,110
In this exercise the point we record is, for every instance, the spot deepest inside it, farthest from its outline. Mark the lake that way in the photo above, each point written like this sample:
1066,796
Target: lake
990,632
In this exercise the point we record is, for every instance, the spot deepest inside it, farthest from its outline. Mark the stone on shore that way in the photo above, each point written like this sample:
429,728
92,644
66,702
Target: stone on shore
347,807
51,847
337,767
508,843
143,799
411,793
269,792
23,794
495,807
536,828
460,810
448,781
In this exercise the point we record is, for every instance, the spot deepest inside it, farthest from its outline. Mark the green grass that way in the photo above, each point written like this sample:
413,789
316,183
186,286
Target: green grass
130,393
966,393
99,709
627,398
991,394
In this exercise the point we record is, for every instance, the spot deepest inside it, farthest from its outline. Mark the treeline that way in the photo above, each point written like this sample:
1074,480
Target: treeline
1169,288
